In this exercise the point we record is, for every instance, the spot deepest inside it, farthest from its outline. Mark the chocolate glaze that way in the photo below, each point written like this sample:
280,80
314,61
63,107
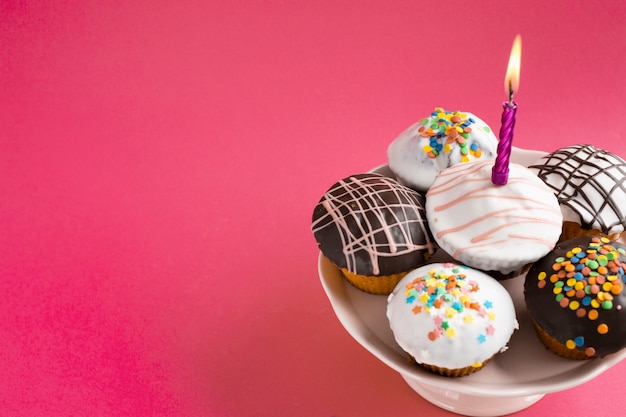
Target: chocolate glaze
591,182
372,225
565,321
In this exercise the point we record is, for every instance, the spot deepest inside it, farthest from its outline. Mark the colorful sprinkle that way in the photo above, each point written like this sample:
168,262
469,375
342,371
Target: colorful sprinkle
586,281
444,128
445,295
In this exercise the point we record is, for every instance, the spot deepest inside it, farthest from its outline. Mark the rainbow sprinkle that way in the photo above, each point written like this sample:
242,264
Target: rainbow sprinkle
443,129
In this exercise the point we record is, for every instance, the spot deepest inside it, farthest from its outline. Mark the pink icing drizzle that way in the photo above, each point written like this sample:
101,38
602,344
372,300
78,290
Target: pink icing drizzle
512,208
356,208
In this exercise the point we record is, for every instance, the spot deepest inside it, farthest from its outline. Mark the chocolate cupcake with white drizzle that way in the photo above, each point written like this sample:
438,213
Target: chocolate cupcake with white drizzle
589,184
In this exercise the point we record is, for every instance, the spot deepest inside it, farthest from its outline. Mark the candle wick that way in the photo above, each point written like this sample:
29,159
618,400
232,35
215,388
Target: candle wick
510,92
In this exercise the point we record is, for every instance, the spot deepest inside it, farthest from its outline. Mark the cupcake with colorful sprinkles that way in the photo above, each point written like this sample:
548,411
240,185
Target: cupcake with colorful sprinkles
443,139
451,319
575,297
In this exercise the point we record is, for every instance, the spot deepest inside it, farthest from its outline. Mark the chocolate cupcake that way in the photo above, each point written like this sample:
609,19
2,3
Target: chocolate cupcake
590,185
575,297
374,229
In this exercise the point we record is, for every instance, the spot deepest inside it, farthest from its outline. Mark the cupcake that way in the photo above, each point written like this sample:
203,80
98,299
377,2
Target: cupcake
575,297
590,185
451,319
439,141
374,229
496,228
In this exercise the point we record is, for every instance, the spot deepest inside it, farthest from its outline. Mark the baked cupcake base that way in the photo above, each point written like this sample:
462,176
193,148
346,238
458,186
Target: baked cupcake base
452,373
501,277
559,348
382,285
572,229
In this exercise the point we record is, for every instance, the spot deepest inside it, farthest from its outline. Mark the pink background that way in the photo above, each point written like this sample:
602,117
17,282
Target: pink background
159,163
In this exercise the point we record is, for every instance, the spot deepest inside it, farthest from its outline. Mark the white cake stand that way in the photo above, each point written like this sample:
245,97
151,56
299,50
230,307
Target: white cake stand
512,381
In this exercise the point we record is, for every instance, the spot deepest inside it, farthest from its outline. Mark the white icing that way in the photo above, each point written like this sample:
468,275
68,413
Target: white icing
493,227
414,168
478,324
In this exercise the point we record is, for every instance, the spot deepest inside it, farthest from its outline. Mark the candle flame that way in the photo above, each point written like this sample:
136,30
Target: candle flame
511,80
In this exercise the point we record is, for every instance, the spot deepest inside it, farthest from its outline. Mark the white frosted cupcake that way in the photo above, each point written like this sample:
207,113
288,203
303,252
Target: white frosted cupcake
451,319
500,228
438,141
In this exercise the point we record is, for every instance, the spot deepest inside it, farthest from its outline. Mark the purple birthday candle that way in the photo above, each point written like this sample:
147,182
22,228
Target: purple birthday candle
500,170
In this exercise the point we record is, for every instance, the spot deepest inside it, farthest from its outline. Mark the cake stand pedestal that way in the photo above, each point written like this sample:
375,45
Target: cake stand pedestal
471,405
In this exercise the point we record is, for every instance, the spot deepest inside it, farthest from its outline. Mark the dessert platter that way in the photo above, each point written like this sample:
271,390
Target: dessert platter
513,380
487,276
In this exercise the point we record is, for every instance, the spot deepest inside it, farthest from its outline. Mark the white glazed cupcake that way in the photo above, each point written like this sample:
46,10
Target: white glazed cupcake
499,228
441,140
451,319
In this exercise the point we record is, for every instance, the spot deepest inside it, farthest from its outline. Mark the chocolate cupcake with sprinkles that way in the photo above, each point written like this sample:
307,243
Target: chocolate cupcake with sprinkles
443,139
575,296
